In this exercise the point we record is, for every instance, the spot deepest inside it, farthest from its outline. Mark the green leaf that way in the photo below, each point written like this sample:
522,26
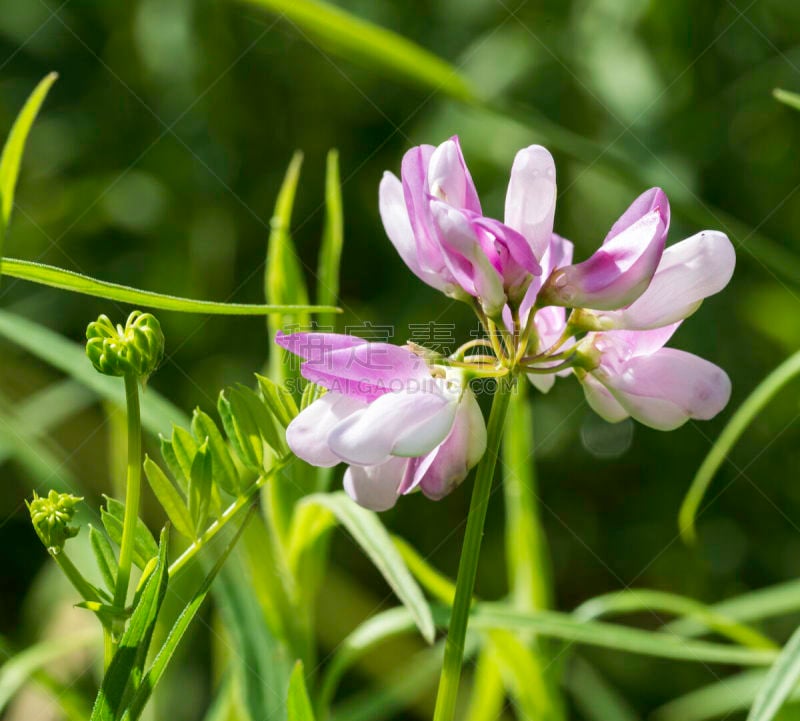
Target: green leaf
79,283
283,277
185,449
433,581
223,468
170,499
779,683
330,253
367,530
616,637
104,555
769,602
242,430
144,545
12,152
200,488
279,400
158,414
786,97
763,393
18,669
298,705
174,466
167,650
245,400
635,600
488,693
124,673
261,661
596,699
378,48
719,700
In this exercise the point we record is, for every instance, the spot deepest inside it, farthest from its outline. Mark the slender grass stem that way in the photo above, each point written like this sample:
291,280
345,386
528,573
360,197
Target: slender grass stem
470,553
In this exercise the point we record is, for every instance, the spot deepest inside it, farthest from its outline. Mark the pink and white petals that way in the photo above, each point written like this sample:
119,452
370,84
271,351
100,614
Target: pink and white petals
619,271
531,197
689,272
307,435
449,179
376,487
407,423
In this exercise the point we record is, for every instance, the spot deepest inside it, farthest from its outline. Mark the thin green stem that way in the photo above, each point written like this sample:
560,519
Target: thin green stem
468,566
133,489
227,515
75,577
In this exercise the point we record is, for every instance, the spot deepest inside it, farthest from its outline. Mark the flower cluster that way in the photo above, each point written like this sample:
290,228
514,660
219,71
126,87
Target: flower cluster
400,423
51,516
627,298
405,418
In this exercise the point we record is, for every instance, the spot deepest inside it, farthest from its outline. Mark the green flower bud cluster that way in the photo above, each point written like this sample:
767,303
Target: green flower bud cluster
51,516
137,349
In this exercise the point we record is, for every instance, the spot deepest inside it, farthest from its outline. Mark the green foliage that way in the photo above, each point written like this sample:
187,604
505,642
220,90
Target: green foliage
170,498
80,283
124,674
330,252
361,41
787,98
298,705
368,532
145,547
11,157
104,556
749,410
779,683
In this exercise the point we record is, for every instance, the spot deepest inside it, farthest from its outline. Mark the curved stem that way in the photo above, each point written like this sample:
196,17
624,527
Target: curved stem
133,490
468,566
462,349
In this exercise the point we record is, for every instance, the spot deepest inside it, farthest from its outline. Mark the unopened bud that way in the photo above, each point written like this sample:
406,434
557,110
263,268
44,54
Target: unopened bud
137,349
51,516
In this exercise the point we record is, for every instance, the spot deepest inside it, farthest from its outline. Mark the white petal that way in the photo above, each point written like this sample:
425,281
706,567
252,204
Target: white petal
602,402
307,434
375,487
531,197
411,422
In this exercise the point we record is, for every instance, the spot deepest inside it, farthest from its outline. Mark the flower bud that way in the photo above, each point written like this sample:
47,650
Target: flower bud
51,516
137,349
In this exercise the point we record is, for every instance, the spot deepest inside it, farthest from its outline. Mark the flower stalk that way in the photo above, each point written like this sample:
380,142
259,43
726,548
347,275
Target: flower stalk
468,565
133,489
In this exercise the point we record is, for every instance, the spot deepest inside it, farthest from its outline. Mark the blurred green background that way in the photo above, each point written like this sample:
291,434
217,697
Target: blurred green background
157,158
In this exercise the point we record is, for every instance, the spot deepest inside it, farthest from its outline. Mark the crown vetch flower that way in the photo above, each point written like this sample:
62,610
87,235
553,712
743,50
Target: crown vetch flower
399,424
433,217
631,373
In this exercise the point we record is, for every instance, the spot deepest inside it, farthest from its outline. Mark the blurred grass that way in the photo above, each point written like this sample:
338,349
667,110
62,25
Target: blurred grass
158,156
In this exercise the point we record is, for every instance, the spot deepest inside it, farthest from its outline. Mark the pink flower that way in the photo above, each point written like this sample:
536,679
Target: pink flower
631,373
620,271
434,219
399,426
689,271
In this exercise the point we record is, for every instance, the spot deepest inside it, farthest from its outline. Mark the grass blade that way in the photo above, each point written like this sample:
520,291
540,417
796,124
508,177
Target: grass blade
330,253
787,98
759,398
298,705
369,533
779,682
79,283
364,42
13,149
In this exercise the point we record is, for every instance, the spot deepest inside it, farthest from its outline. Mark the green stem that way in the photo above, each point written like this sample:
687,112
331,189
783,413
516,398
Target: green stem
75,577
133,490
468,566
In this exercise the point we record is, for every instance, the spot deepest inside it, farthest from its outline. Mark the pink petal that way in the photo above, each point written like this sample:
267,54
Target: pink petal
444,468
375,487
667,388
531,197
449,179
689,271
617,273
307,434
407,423
601,400
366,371
315,346
651,200
397,225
